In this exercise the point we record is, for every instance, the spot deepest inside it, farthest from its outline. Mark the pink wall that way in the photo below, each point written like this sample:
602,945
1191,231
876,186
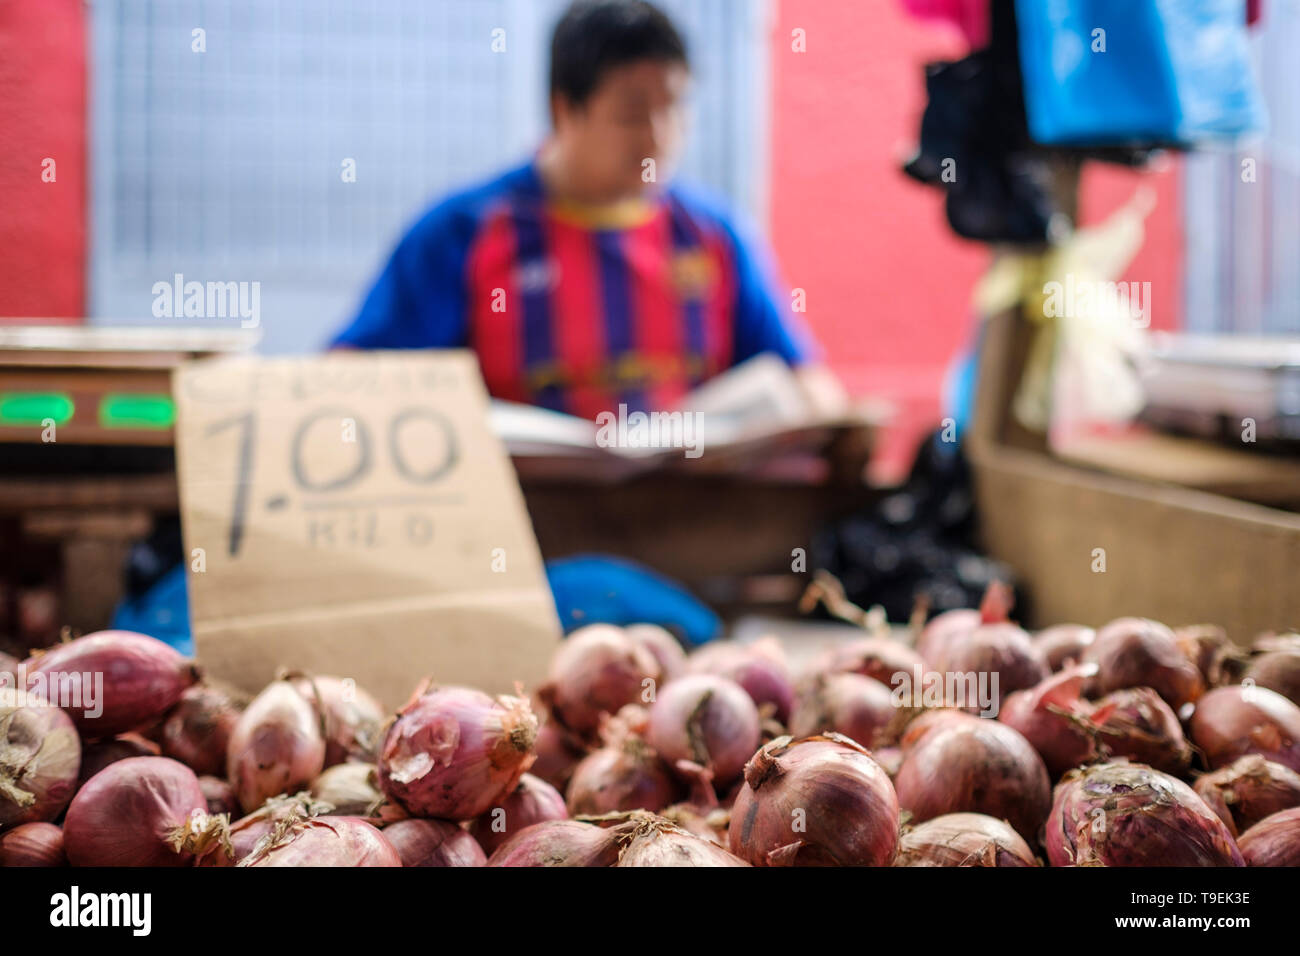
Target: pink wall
888,285
42,114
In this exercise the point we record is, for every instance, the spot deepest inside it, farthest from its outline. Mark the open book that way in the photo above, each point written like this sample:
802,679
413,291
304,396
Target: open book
752,413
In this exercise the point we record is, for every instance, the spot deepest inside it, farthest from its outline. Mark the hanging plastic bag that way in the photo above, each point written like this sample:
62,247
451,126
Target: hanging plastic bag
1137,71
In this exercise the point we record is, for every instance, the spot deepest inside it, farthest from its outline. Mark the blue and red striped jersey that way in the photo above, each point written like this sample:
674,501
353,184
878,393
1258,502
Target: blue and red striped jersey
576,312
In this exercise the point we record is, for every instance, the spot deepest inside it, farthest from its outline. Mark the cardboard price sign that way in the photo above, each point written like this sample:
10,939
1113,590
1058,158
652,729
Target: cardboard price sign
353,514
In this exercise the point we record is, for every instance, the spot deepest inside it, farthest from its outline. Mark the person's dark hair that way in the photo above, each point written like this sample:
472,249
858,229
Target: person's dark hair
594,36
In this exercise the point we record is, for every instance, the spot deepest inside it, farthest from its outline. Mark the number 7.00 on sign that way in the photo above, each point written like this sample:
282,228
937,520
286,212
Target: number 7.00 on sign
353,514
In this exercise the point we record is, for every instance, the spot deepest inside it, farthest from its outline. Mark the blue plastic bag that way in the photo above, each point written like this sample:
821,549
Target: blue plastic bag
1108,72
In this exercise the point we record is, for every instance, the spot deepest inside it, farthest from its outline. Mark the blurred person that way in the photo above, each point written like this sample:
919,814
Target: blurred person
580,279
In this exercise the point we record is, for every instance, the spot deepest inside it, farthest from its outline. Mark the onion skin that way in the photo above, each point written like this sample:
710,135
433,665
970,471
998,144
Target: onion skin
98,754
928,720
1208,648
1063,644
857,707
533,801
1136,652
706,720
976,766
197,730
351,719
276,746
665,648
220,796
1230,722
352,789
627,775
1278,671
759,668
1122,814
434,843
32,844
559,843
329,841
1054,720
596,671
1137,724
657,842
272,822
143,678
1249,790
454,752
142,811
1273,841
963,839
40,756
879,658
831,786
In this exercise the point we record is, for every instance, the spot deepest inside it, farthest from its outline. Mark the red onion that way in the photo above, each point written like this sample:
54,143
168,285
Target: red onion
39,758
276,746
558,753
977,766
8,665
928,720
880,658
963,839
559,843
351,719
454,752
1273,841
1063,644
665,648
98,754
857,707
889,758
943,630
1248,790
352,789
1000,649
953,627
707,720
627,775
1208,648
596,671
434,843
32,844
1136,723
820,801
329,841
197,730
533,801
1054,720
759,668
1278,671
1230,722
142,811
655,841
1136,652
220,796
1122,814
137,677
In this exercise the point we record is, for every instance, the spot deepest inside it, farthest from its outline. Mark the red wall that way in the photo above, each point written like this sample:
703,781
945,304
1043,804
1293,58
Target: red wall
42,114
888,285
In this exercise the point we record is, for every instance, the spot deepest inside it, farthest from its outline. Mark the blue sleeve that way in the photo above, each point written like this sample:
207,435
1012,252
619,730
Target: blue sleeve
420,299
764,318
